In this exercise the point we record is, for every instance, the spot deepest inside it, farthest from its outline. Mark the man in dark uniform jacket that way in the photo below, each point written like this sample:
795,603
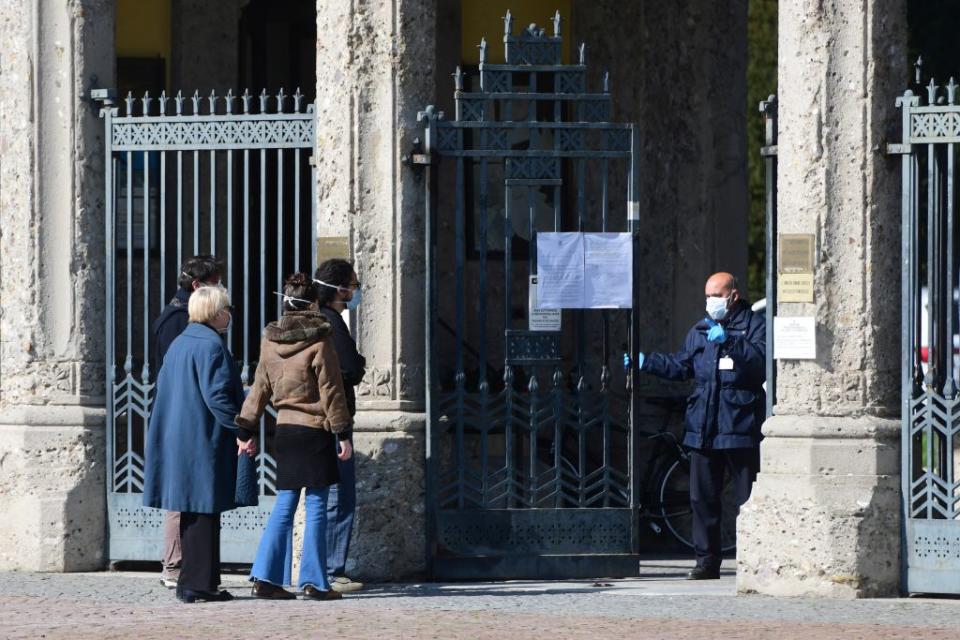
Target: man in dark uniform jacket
196,272
725,354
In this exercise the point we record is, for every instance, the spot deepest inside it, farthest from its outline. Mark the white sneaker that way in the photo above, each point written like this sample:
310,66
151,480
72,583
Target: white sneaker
343,584
170,582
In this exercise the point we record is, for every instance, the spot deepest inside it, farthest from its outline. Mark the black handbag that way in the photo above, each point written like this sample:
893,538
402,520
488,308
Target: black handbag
248,482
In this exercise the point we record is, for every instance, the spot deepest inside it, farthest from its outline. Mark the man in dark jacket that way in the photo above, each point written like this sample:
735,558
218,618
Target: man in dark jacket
196,272
725,354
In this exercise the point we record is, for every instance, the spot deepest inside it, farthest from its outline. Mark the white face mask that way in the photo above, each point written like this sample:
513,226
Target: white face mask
717,307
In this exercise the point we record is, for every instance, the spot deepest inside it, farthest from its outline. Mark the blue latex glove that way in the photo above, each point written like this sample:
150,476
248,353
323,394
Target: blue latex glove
717,334
626,360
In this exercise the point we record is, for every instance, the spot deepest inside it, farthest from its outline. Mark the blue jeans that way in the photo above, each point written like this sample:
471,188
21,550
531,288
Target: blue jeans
340,509
275,553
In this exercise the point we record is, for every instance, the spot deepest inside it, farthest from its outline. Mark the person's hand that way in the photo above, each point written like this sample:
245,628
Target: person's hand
346,450
717,334
248,447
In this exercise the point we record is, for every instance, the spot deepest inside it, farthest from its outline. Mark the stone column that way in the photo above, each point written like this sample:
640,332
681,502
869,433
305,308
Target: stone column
824,518
51,283
375,70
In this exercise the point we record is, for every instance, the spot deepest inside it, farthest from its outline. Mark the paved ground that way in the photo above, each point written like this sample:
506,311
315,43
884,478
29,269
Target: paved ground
659,604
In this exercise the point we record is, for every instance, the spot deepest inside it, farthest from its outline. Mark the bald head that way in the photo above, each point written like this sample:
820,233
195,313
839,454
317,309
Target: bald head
722,285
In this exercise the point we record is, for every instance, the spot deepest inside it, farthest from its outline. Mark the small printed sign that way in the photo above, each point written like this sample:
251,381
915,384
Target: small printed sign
541,319
795,338
795,287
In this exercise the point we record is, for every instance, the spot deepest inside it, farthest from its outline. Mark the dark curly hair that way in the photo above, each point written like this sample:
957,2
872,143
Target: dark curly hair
301,286
335,271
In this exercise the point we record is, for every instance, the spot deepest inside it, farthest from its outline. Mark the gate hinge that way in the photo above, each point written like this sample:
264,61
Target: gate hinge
416,155
899,149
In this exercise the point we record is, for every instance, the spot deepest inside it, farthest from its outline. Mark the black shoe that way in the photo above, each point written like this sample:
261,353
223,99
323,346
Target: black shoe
270,591
313,593
190,596
701,572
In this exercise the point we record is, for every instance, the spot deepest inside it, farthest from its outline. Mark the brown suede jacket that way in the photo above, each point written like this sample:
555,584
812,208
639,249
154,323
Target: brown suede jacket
300,373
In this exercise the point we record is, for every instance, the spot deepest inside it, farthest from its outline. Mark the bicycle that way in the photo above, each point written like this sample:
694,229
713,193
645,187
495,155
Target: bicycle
665,487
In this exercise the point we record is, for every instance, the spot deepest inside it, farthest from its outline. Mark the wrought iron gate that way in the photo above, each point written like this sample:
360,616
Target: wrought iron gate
530,467
186,176
931,404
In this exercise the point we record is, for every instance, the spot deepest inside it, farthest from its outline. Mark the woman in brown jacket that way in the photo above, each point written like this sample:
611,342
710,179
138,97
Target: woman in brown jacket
299,372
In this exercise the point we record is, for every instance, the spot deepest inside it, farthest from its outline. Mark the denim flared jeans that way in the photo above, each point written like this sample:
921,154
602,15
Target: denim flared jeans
275,553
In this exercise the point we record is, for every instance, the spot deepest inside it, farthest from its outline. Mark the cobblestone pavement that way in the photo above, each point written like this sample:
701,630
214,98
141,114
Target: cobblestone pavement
659,604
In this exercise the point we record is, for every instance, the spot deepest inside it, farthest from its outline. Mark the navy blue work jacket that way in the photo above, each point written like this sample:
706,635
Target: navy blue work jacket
727,407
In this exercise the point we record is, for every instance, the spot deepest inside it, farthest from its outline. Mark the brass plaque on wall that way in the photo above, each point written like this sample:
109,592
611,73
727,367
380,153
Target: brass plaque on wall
794,287
332,247
796,252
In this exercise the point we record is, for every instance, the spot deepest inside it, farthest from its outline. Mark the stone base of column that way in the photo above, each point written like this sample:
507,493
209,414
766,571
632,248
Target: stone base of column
389,535
52,494
824,515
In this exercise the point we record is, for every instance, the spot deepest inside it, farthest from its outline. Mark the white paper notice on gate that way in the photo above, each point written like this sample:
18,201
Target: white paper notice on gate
538,318
585,270
608,270
560,270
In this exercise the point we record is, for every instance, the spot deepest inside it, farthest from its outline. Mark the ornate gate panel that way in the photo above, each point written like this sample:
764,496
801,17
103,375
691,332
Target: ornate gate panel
530,454
228,176
931,403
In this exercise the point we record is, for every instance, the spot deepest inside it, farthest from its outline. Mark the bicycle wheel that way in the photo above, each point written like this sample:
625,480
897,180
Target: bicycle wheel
676,511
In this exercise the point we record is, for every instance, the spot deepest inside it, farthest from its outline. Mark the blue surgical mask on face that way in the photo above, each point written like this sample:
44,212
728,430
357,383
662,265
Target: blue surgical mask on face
354,302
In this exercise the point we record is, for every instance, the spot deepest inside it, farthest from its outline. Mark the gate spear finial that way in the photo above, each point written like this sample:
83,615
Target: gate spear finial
458,79
297,99
245,100
178,102
951,91
162,101
229,100
263,100
213,101
195,99
556,24
508,24
129,101
932,92
146,103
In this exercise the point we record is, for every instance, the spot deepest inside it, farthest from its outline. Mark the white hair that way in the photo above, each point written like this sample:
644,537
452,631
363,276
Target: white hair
206,302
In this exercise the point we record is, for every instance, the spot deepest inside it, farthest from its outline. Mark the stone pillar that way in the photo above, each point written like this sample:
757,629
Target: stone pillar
375,70
51,283
824,518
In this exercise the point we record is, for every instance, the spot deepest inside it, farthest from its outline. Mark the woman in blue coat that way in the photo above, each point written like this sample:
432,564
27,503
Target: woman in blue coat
193,443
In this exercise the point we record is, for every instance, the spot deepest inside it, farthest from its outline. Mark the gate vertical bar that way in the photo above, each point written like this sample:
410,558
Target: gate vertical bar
769,152
107,112
633,222
430,117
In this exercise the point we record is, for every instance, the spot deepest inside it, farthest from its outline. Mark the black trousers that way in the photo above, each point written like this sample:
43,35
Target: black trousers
707,473
200,549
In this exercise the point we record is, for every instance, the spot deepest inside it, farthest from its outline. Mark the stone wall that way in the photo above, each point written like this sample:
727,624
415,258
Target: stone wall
372,79
51,282
824,518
